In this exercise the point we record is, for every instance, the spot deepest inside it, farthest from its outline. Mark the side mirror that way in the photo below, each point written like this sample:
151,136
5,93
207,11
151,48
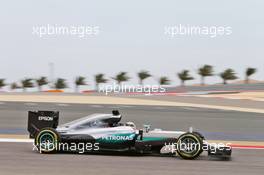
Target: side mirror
140,134
190,129
115,113
147,127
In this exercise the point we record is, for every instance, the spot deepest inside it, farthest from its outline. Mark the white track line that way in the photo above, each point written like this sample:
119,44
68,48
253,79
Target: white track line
96,106
8,140
231,98
12,140
126,106
31,104
246,148
62,104
190,108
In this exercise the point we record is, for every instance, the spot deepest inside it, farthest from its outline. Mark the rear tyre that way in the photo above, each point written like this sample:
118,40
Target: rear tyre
47,140
189,146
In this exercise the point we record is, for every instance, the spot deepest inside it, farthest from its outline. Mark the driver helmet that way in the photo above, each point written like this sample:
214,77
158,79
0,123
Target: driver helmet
131,124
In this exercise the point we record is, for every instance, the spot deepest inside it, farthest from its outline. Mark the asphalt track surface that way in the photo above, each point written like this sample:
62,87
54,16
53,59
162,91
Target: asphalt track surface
18,158
243,103
214,124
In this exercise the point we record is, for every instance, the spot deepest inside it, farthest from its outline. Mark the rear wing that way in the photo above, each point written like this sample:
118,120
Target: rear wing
41,119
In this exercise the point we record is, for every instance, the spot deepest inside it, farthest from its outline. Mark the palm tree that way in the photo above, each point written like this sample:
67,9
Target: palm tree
27,83
60,83
164,81
142,75
228,74
41,82
121,77
250,71
205,71
2,83
79,81
99,78
184,76
14,86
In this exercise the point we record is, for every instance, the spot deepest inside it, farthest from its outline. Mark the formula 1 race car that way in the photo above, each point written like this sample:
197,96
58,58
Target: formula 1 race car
104,133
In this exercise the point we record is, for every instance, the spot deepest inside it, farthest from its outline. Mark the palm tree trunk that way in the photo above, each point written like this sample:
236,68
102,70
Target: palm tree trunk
77,89
182,83
97,87
247,80
202,80
141,82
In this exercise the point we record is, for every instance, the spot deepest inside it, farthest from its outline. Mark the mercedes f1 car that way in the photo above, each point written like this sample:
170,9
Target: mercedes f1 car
105,132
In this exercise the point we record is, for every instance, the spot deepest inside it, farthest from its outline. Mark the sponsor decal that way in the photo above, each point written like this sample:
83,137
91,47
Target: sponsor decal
45,118
119,137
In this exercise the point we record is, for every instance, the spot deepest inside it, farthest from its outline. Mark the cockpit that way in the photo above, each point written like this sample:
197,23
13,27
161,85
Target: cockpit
97,121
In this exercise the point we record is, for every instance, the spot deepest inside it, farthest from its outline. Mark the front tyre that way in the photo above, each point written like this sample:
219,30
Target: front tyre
47,140
189,146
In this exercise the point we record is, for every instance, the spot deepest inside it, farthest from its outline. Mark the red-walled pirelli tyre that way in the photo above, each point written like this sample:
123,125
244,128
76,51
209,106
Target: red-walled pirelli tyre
189,146
47,140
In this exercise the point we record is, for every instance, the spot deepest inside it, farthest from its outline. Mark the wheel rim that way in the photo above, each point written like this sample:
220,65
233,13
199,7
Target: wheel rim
47,142
189,146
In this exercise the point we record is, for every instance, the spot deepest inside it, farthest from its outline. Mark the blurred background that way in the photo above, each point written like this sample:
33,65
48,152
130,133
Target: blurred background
131,39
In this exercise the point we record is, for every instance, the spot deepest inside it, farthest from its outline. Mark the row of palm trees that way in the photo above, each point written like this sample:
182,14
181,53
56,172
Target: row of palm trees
60,83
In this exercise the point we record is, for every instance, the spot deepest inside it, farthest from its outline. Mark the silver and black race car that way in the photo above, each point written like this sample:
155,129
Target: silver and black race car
105,133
